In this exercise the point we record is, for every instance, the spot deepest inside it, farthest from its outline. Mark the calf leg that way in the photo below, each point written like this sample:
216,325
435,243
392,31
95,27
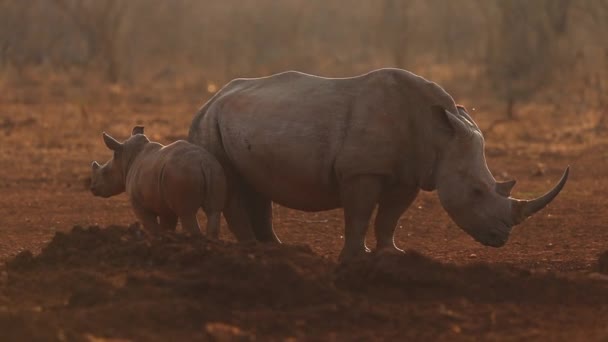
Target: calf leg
359,196
190,224
168,222
147,219
390,209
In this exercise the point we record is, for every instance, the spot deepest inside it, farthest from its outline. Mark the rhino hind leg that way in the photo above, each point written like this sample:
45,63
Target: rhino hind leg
237,218
260,213
213,225
359,196
390,208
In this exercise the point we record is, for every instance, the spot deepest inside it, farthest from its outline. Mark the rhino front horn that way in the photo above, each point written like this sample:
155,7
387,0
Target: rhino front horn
522,209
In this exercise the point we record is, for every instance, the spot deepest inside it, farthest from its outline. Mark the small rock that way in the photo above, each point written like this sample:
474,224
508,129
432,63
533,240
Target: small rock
473,256
218,331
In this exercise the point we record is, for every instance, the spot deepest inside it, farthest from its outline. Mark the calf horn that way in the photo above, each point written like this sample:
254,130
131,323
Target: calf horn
522,209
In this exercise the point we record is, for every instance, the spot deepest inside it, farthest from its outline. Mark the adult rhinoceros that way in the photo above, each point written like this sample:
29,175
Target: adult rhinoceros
313,143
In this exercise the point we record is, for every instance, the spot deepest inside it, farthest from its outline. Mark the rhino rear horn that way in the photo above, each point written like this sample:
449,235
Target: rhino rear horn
112,143
504,188
522,209
137,130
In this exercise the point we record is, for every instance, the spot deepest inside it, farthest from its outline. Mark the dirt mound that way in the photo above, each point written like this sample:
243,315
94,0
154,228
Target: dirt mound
411,276
119,282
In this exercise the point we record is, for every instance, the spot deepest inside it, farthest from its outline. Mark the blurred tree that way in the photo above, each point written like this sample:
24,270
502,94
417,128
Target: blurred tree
99,23
521,49
394,29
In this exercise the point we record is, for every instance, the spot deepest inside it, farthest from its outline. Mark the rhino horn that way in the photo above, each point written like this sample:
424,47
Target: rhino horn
522,209
504,188
137,130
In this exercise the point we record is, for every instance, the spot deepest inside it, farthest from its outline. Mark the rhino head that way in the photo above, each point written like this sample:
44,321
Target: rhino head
474,200
109,179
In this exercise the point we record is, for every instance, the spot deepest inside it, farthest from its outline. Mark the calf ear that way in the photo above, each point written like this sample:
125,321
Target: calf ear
450,120
137,130
111,143
95,165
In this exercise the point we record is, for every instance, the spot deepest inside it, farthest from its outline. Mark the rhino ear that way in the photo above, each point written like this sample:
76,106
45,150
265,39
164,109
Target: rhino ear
95,165
450,120
137,130
112,143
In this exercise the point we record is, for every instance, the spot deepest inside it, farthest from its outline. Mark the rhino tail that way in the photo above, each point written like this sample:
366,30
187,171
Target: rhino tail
194,131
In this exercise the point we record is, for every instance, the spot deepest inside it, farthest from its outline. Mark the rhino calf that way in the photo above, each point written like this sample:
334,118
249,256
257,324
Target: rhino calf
163,183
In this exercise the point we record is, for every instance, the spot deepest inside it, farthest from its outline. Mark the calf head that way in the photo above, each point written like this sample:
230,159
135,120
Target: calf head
109,179
474,200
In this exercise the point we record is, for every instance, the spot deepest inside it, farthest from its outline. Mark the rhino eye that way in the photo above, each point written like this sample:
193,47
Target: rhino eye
477,192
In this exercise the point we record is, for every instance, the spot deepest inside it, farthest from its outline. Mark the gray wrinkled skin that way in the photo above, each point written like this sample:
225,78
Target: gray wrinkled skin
314,143
163,183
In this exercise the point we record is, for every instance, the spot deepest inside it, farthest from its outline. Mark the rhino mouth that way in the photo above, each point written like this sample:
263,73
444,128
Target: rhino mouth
98,193
493,240
496,237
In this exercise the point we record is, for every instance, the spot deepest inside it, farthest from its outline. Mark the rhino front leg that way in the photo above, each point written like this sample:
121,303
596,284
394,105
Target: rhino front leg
392,205
359,196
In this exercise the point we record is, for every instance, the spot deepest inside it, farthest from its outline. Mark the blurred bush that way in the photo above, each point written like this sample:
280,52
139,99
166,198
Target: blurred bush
511,49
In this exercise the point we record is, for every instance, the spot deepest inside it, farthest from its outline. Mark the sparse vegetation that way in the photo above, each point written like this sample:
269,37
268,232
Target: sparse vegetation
513,51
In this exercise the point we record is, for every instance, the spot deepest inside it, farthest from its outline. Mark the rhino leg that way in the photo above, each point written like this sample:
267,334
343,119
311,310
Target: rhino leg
392,205
359,196
147,219
190,224
238,219
260,213
168,222
213,225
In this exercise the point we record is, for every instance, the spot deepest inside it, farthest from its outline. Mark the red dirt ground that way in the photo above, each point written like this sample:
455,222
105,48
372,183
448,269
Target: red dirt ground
549,282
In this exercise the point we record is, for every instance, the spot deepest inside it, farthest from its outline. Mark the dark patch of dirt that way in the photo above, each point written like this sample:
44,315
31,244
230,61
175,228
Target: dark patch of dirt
119,282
